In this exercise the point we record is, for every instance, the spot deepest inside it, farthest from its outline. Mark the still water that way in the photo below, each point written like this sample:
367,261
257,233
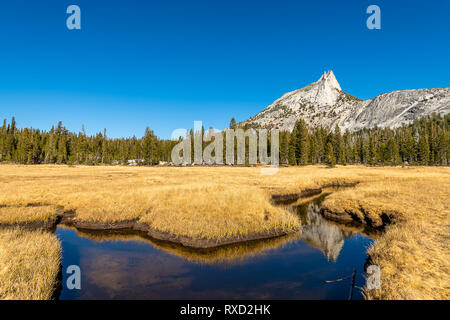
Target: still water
120,265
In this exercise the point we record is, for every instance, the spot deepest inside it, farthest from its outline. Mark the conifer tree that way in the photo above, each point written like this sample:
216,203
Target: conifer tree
423,150
372,152
330,157
291,150
284,147
338,145
302,142
233,123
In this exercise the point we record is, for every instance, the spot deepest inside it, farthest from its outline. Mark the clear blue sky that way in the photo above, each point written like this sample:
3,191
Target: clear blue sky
166,63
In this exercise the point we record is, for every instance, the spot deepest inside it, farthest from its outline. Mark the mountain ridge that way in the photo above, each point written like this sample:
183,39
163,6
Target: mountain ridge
323,103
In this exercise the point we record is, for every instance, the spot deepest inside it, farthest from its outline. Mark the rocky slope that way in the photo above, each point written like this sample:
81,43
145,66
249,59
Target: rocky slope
323,103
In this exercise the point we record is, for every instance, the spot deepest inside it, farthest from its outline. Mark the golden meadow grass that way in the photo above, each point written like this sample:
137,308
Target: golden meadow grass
414,253
183,201
29,264
213,202
20,214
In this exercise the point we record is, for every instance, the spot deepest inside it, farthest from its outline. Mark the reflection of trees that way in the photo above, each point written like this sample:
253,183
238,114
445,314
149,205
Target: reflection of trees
321,234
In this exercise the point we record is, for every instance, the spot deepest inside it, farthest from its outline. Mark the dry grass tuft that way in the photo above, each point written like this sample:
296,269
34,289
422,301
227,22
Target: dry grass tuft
29,264
216,212
16,214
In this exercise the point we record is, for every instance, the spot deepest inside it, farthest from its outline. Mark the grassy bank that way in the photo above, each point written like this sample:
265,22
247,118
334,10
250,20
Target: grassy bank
27,214
220,202
29,264
413,253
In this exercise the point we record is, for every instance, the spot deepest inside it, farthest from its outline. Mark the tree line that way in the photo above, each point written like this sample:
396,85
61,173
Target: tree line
33,146
424,142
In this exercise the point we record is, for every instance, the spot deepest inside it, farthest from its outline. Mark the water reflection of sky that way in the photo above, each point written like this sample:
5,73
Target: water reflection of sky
292,268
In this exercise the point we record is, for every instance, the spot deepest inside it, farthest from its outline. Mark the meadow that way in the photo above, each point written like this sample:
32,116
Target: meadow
217,203
29,264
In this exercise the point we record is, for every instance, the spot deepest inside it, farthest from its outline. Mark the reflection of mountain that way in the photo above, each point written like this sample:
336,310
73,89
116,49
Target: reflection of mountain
321,234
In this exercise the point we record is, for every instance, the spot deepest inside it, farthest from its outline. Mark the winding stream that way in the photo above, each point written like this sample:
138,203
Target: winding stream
124,265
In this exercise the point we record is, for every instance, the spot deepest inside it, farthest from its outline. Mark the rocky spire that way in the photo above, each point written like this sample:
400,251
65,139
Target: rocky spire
326,90
329,79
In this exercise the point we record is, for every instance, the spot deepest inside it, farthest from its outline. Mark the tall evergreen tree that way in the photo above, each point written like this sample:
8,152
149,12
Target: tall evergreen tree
330,155
291,150
302,142
233,123
423,150
338,145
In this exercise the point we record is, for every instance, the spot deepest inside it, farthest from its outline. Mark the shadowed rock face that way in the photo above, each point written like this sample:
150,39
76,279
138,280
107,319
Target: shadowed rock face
323,103
321,234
